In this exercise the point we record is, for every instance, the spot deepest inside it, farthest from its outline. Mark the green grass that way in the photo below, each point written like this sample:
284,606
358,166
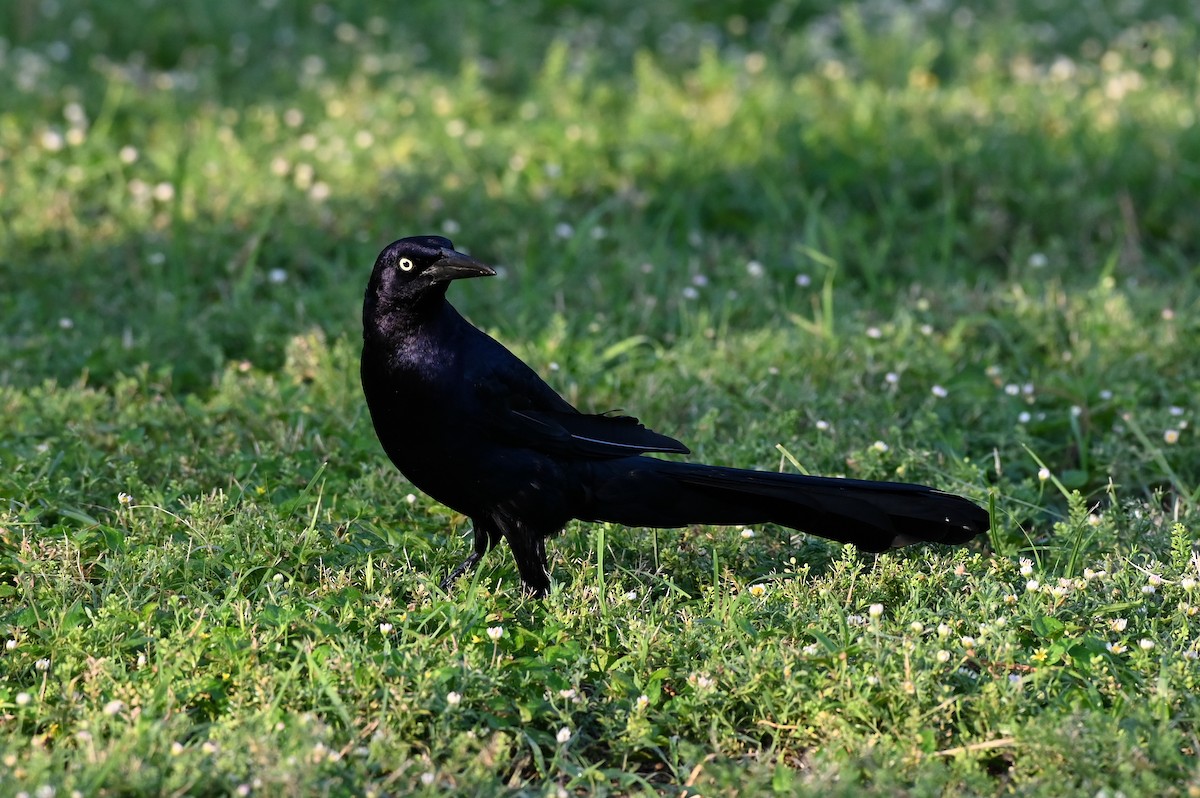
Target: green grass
946,243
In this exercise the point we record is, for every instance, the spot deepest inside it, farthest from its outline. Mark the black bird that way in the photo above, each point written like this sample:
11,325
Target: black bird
474,427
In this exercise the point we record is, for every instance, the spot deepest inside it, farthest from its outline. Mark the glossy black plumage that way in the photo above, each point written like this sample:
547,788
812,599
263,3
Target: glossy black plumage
474,427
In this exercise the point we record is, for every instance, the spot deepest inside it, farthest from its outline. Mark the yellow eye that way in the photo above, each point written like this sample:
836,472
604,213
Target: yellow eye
406,264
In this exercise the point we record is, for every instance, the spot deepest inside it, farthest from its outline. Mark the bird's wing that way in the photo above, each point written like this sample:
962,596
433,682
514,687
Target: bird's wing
522,410
586,435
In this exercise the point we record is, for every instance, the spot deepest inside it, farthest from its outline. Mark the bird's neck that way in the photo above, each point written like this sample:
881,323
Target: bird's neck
387,319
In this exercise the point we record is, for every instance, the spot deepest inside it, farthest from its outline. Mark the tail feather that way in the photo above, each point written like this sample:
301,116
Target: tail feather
874,516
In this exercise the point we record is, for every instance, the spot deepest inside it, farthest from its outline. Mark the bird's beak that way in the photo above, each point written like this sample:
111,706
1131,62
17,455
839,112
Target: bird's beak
456,266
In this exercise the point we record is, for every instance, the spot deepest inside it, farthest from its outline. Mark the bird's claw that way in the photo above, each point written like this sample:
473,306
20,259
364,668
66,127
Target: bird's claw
462,568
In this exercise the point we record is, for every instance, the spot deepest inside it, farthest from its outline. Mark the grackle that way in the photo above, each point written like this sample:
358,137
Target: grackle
474,427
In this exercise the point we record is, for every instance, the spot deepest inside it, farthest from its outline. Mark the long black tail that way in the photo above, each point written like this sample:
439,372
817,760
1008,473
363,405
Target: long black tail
875,516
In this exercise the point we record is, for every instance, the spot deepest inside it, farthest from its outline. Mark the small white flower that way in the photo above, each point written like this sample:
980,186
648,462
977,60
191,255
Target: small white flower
875,610
564,230
1118,624
42,665
811,650
939,392
967,642
942,655
1032,586
320,191
944,630
1038,260
52,141
1145,644
127,154
1043,473
822,425
427,778
163,192
642,702
176,748
277,276
411,498
689,292
1023,418
66,323
631,595
1115,648
44,791
114,707
453,698
758,590
747,533
803,280
1149,590
10,644
385,628
1026,567
916,627
23,699
495,632
1188,583
1171,436
563,736
880,446
243,790
703,681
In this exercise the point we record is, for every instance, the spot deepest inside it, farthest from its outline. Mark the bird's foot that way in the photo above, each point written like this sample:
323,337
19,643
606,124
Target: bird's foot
464,566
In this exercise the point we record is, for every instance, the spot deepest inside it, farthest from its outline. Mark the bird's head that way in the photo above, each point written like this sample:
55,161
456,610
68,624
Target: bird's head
421,266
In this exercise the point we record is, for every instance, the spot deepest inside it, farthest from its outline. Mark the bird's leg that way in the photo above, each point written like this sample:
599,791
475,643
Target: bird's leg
484,540
529,550
462,568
